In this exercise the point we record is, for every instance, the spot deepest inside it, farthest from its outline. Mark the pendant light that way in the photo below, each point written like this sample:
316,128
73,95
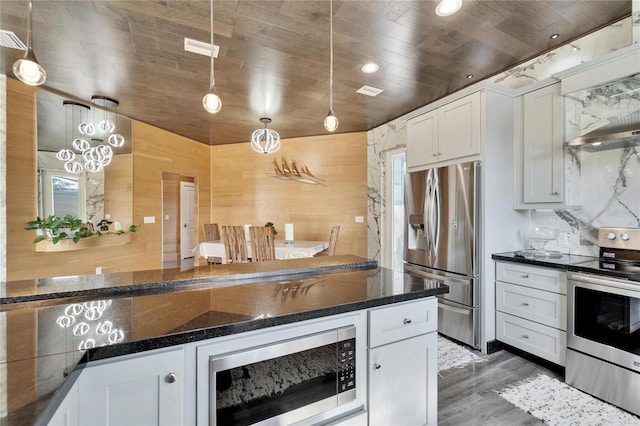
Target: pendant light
211,101
27,69
265,141
331,121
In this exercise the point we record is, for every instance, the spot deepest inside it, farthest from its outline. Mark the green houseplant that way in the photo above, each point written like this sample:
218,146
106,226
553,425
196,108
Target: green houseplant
272,227
68,227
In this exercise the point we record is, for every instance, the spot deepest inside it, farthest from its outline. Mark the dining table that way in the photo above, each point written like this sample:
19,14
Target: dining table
283,249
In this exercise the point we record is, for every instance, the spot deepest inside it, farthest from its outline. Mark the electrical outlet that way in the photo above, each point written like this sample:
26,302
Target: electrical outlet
149,219
98,270
359,219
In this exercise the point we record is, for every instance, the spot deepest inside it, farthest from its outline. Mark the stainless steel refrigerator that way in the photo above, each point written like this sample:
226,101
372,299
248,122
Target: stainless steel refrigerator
442,242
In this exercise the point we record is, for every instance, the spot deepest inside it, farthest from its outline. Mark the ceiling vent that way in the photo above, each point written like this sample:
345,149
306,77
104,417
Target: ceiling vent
369,91
200,47
10,39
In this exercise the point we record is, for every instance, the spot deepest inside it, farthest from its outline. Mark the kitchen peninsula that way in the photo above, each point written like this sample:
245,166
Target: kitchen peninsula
62,330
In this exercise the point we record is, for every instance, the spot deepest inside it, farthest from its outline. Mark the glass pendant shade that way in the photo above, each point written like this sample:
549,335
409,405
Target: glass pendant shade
265,141
212,102
27,69
331,122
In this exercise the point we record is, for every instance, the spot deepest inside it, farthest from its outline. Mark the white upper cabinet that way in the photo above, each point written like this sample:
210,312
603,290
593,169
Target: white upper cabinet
422,139
543,159
459,128
539,153
449,132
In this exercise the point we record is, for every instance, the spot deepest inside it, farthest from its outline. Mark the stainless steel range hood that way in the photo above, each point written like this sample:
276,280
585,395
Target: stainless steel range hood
623,132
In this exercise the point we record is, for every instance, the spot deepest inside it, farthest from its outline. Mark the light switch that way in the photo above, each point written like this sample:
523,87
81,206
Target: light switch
149,219
359,219
166,217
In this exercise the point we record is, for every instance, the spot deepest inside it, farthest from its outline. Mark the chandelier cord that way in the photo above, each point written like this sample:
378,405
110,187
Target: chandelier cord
331,55
29,36
212,82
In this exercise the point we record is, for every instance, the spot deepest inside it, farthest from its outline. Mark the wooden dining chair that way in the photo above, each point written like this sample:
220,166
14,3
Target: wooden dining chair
333,241
235,244
262,243
211,231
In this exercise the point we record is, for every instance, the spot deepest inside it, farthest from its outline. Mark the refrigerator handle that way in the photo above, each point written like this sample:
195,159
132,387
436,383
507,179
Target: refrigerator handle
427,211
435,215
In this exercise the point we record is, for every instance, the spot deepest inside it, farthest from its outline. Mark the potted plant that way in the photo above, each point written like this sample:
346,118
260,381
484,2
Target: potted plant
69,227
272,227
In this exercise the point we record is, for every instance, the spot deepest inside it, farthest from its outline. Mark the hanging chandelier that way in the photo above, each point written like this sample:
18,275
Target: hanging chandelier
331,121
27,69
88,150
265,141
211,101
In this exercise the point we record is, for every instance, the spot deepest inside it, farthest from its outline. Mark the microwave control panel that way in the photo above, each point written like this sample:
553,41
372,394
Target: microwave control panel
346,365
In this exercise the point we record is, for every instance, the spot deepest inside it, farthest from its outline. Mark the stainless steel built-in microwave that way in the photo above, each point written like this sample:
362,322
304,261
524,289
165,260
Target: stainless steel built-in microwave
283,382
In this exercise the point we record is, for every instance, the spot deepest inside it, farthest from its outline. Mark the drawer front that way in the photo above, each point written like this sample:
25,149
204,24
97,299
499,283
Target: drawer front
545,342
536,305
401,321
532,276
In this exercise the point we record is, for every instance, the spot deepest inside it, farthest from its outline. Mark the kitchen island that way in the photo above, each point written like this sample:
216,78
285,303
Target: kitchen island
55,328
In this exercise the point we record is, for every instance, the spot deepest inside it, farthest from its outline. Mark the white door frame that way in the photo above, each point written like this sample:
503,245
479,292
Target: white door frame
187,219
386,235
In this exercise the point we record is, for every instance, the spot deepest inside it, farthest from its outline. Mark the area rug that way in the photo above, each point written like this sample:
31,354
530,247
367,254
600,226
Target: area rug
558,404
452,355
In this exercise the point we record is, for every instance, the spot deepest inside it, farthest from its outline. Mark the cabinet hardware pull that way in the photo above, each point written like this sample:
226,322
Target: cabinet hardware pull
377,366
555,193
525,276
171,378
525,336
407,321
525,303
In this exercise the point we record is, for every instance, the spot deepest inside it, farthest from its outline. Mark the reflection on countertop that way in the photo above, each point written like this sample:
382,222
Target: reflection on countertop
46,339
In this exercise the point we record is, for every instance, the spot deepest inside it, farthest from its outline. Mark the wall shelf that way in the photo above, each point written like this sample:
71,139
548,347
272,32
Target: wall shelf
105,240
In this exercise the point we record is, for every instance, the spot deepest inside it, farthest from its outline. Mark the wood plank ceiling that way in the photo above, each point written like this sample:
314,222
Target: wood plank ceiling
274,55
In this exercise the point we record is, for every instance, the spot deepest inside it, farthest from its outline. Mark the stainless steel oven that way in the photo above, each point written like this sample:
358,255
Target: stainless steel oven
603,342
284,382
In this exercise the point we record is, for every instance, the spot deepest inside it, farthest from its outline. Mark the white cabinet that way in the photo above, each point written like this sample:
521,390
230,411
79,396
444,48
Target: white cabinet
146,389
531,305
67,412
402,368
540,154
449,132
422,139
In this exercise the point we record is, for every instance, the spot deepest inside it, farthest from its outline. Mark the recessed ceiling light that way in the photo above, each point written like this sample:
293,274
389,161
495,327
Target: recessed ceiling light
448,7
370,68
469,76
554,36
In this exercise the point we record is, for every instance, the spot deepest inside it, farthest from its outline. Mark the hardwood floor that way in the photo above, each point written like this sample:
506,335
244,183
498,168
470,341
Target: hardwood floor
469,395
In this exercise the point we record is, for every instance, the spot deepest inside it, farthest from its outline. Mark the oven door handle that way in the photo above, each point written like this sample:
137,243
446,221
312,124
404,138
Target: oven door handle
583,280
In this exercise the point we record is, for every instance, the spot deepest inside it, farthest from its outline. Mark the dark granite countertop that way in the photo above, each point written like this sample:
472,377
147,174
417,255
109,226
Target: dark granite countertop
549,262
49,339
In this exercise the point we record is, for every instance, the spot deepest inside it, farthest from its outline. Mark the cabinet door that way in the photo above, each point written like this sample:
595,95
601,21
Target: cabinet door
403,382
134,391
67,412
459,128
543,146
422,137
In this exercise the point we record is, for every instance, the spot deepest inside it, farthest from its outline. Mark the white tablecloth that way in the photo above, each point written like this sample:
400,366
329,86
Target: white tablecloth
283,251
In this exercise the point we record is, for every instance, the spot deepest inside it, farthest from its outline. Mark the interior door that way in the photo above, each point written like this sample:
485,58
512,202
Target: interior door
187,219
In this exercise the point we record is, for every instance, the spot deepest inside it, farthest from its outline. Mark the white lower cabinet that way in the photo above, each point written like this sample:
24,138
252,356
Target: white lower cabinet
531,309
139,390
67,412
402,370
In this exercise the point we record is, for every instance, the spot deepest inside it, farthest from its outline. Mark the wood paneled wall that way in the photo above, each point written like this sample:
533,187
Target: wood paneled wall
155,151
235,185
245,191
